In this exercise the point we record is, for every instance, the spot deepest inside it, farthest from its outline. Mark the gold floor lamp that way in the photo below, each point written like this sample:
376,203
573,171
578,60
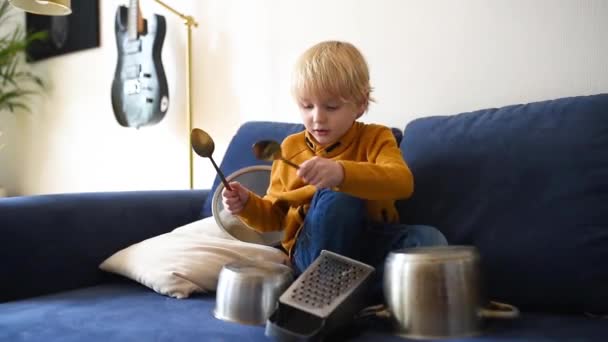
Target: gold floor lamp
189,22
63,7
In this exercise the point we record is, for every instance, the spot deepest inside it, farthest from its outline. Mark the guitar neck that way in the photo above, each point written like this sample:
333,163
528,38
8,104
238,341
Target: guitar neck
135,21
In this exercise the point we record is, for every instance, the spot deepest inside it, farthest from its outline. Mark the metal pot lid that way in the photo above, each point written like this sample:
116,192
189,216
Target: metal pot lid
257,179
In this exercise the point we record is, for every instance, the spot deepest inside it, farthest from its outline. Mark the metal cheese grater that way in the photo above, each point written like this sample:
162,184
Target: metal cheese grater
326,296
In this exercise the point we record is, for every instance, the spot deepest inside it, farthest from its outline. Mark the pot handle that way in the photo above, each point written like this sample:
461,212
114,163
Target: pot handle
379,310
499,310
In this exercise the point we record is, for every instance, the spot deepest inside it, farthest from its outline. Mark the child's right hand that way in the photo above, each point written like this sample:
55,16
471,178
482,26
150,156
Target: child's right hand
234,200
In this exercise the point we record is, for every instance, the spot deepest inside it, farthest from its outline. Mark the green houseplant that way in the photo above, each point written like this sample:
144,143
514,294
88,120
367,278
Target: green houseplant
17,83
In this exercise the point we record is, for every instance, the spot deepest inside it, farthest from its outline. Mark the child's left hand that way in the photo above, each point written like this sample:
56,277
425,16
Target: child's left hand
321,172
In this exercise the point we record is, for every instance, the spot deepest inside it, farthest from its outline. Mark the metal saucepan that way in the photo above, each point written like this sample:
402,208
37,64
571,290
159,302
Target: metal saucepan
435,292
248,291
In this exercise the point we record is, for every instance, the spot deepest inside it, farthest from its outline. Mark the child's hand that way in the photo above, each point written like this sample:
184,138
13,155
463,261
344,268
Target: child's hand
321,172
234,201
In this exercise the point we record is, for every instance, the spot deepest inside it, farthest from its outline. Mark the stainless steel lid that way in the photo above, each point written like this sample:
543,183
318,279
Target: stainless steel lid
257,179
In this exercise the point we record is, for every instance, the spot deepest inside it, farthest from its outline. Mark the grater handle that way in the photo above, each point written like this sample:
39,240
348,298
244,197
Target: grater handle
284,335
279,333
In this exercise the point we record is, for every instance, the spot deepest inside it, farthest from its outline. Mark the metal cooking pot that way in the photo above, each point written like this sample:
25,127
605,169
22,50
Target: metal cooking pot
435,292
248,291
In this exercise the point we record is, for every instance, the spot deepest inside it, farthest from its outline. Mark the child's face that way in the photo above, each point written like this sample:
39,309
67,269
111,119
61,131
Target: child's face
327,119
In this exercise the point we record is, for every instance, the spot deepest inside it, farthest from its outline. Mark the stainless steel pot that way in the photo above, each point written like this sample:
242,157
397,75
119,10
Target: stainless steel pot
435,292
248,291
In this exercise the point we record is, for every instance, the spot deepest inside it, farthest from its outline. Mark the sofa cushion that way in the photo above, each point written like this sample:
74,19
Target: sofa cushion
526,184
239,154
186,260
129,312
118,312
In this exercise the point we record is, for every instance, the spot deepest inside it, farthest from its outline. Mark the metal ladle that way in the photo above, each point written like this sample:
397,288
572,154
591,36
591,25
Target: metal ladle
270,150
203,145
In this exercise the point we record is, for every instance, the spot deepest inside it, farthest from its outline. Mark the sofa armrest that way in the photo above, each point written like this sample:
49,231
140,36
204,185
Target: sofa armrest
52,243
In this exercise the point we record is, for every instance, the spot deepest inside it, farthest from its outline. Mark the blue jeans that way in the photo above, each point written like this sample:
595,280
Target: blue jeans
338,222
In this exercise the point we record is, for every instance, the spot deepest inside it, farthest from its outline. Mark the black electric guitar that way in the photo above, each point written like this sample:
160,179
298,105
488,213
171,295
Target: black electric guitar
140,96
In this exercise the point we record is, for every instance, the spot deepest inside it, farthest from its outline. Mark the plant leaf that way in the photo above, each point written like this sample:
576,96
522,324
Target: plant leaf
17,82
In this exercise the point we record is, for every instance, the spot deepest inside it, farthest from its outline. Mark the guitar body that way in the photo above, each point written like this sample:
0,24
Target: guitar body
140,95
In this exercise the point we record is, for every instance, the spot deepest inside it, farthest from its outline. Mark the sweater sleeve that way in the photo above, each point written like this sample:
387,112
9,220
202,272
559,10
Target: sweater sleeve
385,176
265,213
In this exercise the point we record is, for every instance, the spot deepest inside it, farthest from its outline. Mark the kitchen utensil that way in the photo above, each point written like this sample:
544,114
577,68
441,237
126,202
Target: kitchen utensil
247,291
435,292
270,150
204,146
255,178
321,300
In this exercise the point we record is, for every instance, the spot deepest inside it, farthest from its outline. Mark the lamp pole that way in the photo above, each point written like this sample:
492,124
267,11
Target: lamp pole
190,22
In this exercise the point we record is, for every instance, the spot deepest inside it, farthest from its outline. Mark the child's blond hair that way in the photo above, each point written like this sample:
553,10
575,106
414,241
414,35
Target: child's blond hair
335,68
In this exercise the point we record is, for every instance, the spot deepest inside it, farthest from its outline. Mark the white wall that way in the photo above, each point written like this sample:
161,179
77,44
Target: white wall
426,57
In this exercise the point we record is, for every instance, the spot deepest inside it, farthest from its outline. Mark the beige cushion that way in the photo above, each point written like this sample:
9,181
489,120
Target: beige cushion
186,260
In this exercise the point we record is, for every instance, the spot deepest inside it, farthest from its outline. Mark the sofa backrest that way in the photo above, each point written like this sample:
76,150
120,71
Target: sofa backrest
526,184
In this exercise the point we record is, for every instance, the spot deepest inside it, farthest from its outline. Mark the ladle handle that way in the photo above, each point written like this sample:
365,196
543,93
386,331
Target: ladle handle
219,172
290,163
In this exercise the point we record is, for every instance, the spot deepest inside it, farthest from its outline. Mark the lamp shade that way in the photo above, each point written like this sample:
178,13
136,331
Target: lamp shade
44,7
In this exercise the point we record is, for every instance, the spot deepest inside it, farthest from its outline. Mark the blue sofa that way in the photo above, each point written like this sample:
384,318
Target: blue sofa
527,184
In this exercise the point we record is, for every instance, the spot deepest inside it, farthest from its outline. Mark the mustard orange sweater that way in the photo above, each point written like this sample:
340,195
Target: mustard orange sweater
374,170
